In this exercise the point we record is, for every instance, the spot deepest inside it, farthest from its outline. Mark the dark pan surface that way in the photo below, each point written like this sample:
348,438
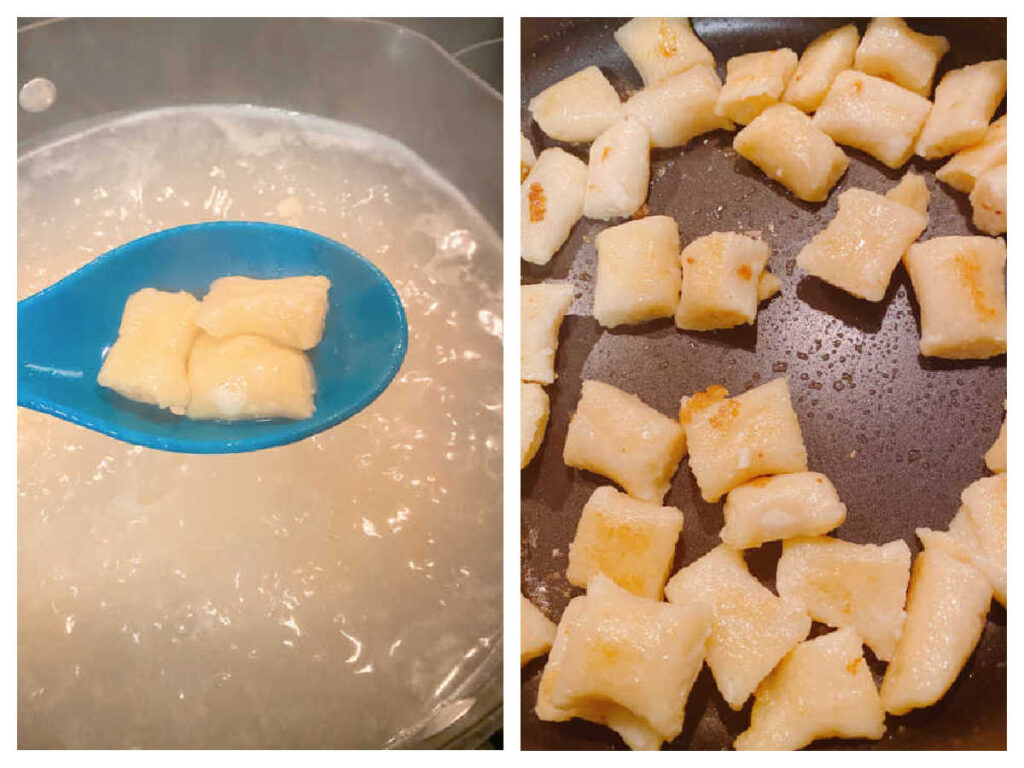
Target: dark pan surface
900,435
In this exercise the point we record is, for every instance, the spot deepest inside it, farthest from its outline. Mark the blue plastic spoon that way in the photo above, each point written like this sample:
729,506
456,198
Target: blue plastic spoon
64,331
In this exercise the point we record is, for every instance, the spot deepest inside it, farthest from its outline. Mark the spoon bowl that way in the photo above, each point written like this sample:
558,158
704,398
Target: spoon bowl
65,330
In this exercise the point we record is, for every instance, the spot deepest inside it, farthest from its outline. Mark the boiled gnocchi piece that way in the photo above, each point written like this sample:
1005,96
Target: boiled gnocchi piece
527,157
734,439
619,171
679,107
874,116
248,377
637,271
616,435
860,248
289,311
631,542
721,281
550,203
543,307
860,586
995,458
988,199
964,169
984,504
822,689
662,47
912,191
536,632
787,146
946,611
753,82
533,416
893,51
578,108
751,628
626,662
781,507
149,360
961,288
826,56
965,100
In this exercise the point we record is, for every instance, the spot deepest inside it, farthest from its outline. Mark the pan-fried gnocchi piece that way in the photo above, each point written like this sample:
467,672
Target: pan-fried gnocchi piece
860,586
753,82
946,611
679,107
965,100
822,689
995,458
543,307
988,199
662,47
893,51
616,435
785,144
826,56
735,439
751,628
984,504
637,271
578,108
536,632
533,418
781,507
631,542
619,171
527,157
626,662
961,541
550,202
961,288
912,191
721,277
873,115
767,286
861,246
964,169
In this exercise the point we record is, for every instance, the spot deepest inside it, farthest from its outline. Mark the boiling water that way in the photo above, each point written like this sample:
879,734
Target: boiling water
340,591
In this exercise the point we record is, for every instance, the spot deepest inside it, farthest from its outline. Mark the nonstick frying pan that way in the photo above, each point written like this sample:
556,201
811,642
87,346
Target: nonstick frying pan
899,435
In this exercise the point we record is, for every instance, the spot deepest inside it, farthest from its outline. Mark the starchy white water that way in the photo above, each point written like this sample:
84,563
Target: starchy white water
335,592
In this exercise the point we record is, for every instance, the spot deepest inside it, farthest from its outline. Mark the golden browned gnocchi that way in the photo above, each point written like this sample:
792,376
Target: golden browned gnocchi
536,632
874,116
637,271
965,100
734,439
662,47
615,434
893,51
753,82
751,628
626,662
988,201
631,542
679,107
961,288
826,56
543,307
533,420
578,108
964,169
619,171
785,144
550,203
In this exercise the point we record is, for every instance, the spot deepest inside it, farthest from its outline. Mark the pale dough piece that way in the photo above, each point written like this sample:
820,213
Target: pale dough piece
753,82
533,417
893,51
543,306
527,157
961,541
988,199
616,435
148,362
912,191
662,47
578,108
822,689
679,107
963,169
826,56
767,286
781,507
550,203
733,440
995,459
946,611
289,310
248,377
536,632
984,504
860,586
786,145
751,628
965,100
631,542
619,171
